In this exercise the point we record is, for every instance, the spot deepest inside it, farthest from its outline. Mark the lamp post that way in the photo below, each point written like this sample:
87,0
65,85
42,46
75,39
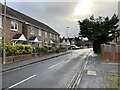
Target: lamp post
67,37
67,31
4,34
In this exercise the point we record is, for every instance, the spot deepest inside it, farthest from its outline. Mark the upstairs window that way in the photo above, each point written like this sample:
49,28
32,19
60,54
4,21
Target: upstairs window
57,37
50,35
0,21
54,36
32,30
39,32
45,34
14,25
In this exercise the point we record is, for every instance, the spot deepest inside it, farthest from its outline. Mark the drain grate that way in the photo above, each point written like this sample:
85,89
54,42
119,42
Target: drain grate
91,73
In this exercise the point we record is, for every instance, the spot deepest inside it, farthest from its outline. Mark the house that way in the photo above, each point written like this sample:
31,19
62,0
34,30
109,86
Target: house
0,27
117,33
64,42
0,24
21,28
119,14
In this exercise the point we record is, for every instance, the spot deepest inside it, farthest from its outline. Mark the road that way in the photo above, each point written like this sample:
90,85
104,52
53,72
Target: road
54,73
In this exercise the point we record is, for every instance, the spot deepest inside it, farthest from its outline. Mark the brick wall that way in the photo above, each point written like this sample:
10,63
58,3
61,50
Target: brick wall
9,32
110,52
0,33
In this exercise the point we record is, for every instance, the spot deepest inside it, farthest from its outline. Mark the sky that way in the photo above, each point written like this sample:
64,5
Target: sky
60,15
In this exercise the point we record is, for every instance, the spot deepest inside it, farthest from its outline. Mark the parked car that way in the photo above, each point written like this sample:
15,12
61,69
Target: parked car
75,47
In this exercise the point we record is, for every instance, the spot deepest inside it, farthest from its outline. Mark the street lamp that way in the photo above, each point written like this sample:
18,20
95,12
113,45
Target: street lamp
67,31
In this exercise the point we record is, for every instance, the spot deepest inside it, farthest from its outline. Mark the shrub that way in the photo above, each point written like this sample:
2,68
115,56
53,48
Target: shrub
60,49
17,49
39,50
46,49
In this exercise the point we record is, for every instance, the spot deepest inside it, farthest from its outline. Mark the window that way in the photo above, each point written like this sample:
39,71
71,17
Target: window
32,30
14,25
39,32
50,35
54,36
40,44
45,34
57,37
0,21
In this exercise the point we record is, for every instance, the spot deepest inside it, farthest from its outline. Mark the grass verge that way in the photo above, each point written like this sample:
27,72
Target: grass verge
113,80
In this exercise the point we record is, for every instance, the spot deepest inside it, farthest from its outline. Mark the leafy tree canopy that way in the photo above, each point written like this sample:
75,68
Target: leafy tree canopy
98,30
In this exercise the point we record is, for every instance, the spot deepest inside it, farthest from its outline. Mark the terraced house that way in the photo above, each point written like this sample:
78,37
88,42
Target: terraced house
21,28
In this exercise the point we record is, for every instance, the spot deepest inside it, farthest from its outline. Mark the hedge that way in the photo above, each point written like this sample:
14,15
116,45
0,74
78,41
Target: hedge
17,49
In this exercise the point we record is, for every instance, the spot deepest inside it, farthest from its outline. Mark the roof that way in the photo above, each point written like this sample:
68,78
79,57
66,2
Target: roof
54,41
70,39
19,37
16,14
34,39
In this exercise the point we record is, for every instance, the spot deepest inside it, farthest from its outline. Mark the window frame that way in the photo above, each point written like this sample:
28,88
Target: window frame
32,30
14,22
0,22
39,32
46,34
50,35
54,36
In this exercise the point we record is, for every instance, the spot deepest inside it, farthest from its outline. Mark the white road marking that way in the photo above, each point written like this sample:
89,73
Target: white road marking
71,81
55,65
91,73
21,81
85,65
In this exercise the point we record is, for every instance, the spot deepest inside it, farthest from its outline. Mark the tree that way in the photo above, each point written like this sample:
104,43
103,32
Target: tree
98,30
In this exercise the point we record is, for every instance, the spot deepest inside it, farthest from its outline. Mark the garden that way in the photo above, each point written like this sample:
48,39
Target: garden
20,52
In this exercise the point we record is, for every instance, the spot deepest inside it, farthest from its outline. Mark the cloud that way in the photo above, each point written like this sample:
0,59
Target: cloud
60,15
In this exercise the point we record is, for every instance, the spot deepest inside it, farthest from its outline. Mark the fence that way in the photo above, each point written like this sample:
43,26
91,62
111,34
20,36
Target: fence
110,52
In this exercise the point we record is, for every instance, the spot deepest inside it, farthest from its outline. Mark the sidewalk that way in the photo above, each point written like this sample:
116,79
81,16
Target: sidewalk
92,75
111,75
19,64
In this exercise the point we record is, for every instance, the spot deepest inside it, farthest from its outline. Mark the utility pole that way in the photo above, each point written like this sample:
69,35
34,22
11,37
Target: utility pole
4,34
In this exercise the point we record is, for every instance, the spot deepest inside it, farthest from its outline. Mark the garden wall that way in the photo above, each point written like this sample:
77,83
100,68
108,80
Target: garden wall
110,52
10,59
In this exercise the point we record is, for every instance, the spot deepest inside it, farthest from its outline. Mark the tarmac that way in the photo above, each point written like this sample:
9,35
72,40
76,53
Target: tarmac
19,64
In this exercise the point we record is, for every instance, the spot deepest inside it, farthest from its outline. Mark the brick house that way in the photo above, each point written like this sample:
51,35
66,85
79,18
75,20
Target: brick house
21,28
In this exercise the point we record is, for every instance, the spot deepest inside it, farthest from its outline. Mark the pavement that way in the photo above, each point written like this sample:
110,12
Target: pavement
110,67
94,72
7,67
92,75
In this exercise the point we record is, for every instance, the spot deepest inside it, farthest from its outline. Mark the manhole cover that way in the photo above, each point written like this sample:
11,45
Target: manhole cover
91,73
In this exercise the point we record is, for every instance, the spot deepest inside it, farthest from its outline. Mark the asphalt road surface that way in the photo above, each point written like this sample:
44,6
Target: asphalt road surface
54,73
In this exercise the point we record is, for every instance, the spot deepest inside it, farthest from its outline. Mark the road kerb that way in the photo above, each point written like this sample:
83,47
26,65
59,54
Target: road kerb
78,76
8,69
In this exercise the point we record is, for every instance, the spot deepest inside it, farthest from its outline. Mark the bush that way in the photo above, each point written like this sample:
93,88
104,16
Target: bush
46,49
40,50
17,49
61,49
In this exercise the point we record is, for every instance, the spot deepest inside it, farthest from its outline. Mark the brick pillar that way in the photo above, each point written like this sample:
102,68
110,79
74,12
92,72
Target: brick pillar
119,57
113,51
102,51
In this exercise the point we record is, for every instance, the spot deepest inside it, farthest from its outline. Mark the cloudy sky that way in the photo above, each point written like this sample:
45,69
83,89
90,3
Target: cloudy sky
60,15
